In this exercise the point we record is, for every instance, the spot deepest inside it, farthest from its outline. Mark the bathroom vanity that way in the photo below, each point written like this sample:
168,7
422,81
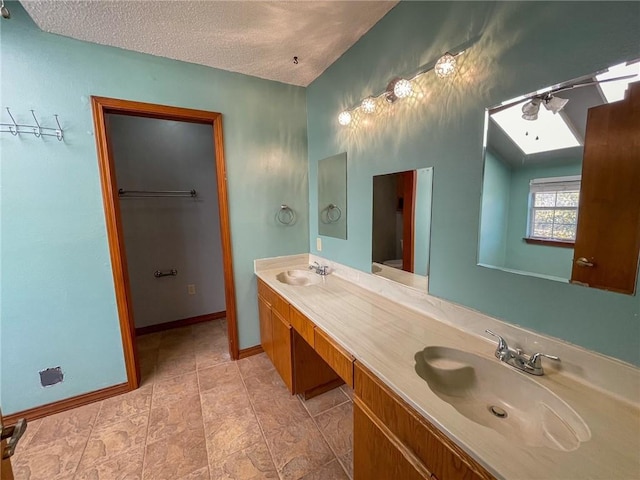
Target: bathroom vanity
320,331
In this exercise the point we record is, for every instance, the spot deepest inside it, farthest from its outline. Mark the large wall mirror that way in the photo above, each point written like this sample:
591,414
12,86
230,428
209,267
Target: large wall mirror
556,161
332,196
401,228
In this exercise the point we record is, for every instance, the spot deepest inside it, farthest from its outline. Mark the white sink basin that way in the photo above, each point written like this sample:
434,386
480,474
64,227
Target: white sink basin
299,277
501,398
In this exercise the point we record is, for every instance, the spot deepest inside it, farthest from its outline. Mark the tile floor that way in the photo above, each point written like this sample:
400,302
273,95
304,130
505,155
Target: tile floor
197,416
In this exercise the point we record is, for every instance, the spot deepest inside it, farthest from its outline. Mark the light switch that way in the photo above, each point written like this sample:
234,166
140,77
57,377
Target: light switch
191,288
319,244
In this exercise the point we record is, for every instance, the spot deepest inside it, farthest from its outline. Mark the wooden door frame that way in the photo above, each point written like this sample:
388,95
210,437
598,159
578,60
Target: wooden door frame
101,107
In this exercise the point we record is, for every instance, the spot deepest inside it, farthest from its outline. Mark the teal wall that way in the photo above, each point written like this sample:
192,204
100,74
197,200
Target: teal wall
547,260
58,305
494,211
519,47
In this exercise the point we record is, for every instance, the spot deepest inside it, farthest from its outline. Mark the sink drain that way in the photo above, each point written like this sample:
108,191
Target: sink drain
498,412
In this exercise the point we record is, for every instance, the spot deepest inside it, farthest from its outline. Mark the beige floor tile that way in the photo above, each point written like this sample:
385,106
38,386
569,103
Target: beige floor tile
77,422
275,412
188,424
200,330
348,391
147,376
337,427
331,471
148,342
171,366
325,401
212,353
175,457
267,384
176,336
130,403
32,428
56,460
170,390
113,439
173,419
201,474
255,365
217,377
274,405
298,449
252,463
127,466
347,463
231,432
224,401
181,349
147,361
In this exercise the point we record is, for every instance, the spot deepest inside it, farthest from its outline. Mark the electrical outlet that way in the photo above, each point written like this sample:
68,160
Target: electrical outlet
191,288
319,244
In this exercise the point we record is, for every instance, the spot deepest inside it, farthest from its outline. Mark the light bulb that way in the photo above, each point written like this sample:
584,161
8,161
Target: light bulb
402,88
368,105
344,118
445,66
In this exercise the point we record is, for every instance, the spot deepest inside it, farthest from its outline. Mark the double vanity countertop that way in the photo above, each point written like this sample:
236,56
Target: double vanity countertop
385,336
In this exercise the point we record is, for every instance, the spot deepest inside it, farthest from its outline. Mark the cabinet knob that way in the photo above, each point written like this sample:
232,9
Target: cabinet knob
583,262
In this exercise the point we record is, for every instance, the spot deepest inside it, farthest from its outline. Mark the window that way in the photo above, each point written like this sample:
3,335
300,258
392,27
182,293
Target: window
553,208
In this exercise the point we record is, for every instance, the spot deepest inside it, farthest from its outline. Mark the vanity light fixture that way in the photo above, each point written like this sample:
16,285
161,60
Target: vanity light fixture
344,118
400,87
445,66
369,105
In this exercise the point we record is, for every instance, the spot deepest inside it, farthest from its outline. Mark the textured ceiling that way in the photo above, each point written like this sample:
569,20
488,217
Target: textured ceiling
250,37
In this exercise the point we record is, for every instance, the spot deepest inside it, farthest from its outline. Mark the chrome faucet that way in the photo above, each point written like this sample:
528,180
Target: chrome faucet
518,359
320,269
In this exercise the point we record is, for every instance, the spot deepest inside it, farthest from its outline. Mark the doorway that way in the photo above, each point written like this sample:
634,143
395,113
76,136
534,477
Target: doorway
102,109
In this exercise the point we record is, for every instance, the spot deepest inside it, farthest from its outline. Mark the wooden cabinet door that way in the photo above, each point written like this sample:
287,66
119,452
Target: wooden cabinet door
377,454
266,328
608,234
282,357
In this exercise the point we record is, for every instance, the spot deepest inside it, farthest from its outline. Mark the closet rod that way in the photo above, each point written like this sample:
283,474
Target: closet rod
156,193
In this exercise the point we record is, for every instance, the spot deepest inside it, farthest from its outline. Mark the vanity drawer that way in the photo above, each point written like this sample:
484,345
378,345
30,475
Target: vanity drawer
276,302
337,358
281,306
303,325
443,458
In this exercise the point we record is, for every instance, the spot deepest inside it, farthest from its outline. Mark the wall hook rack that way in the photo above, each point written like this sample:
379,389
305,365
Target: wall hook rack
37,130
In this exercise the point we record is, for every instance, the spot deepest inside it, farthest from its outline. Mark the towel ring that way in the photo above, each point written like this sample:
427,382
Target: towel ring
286,216
333,213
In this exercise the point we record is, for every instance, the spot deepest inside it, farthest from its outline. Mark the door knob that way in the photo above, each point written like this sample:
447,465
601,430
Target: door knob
13,433
583,262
